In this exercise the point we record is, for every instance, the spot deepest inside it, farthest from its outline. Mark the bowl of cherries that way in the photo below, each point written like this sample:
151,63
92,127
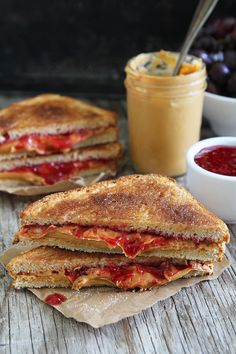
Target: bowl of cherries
216,46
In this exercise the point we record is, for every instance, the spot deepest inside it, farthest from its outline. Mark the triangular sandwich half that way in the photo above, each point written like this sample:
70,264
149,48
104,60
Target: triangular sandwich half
137,215
50,123
54,267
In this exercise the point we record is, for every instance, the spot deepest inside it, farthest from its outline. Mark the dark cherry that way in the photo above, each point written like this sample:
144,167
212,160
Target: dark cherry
207,43
216,57
216,46
213,88
219,73
202,54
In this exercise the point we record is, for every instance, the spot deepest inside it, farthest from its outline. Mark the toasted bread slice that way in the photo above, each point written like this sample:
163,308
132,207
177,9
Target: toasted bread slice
142,203
15,149
52,114
94,170
52,267
94,239
85,161
103,151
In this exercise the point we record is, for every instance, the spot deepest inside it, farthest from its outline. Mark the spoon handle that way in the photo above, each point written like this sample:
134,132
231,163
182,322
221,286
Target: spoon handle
203,11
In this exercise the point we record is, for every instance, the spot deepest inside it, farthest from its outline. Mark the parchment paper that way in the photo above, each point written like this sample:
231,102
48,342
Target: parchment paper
57,187
103,306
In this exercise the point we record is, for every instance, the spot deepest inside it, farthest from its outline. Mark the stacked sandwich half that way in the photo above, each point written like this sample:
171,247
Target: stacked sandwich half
136,232
51,138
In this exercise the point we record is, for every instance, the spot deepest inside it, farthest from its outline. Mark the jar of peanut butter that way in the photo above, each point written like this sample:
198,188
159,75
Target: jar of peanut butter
164,111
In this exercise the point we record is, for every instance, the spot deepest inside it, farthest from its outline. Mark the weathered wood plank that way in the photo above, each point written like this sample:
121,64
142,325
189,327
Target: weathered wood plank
200,319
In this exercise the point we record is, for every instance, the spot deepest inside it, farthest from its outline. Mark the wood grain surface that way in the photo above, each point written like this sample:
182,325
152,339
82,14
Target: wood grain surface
200,319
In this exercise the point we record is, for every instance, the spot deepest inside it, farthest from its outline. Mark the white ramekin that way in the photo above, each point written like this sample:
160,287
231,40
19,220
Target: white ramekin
220,111
216,192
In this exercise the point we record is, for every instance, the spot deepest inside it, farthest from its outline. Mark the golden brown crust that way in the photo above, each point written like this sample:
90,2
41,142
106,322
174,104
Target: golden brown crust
103,151
50,111
100,136
14,179
33,281
55,281
207,253
136,202
103,158
183,249
47,259
46,266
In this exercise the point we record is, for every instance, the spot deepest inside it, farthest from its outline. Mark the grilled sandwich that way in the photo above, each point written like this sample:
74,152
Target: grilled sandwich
54,267
137,215
138,219
50,138
51,123
46,170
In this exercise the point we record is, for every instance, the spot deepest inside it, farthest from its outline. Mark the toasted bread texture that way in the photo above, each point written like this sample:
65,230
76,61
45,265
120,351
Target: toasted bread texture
103,151
51,267
94,160
44,259
140,203
52,114
130,244
209,252
14,179
105,136
55,281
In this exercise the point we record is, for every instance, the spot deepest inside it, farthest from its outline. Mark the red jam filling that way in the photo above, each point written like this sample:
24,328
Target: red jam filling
72,275
219,159
53,172
55,299
46,143
131,243
125,276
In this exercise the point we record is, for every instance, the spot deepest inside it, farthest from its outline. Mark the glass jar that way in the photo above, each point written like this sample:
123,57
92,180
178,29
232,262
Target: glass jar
164,118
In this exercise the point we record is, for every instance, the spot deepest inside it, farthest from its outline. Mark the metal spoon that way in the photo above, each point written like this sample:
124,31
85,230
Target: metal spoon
203,11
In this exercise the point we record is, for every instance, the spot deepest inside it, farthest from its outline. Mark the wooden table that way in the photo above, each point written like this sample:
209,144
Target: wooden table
200,319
